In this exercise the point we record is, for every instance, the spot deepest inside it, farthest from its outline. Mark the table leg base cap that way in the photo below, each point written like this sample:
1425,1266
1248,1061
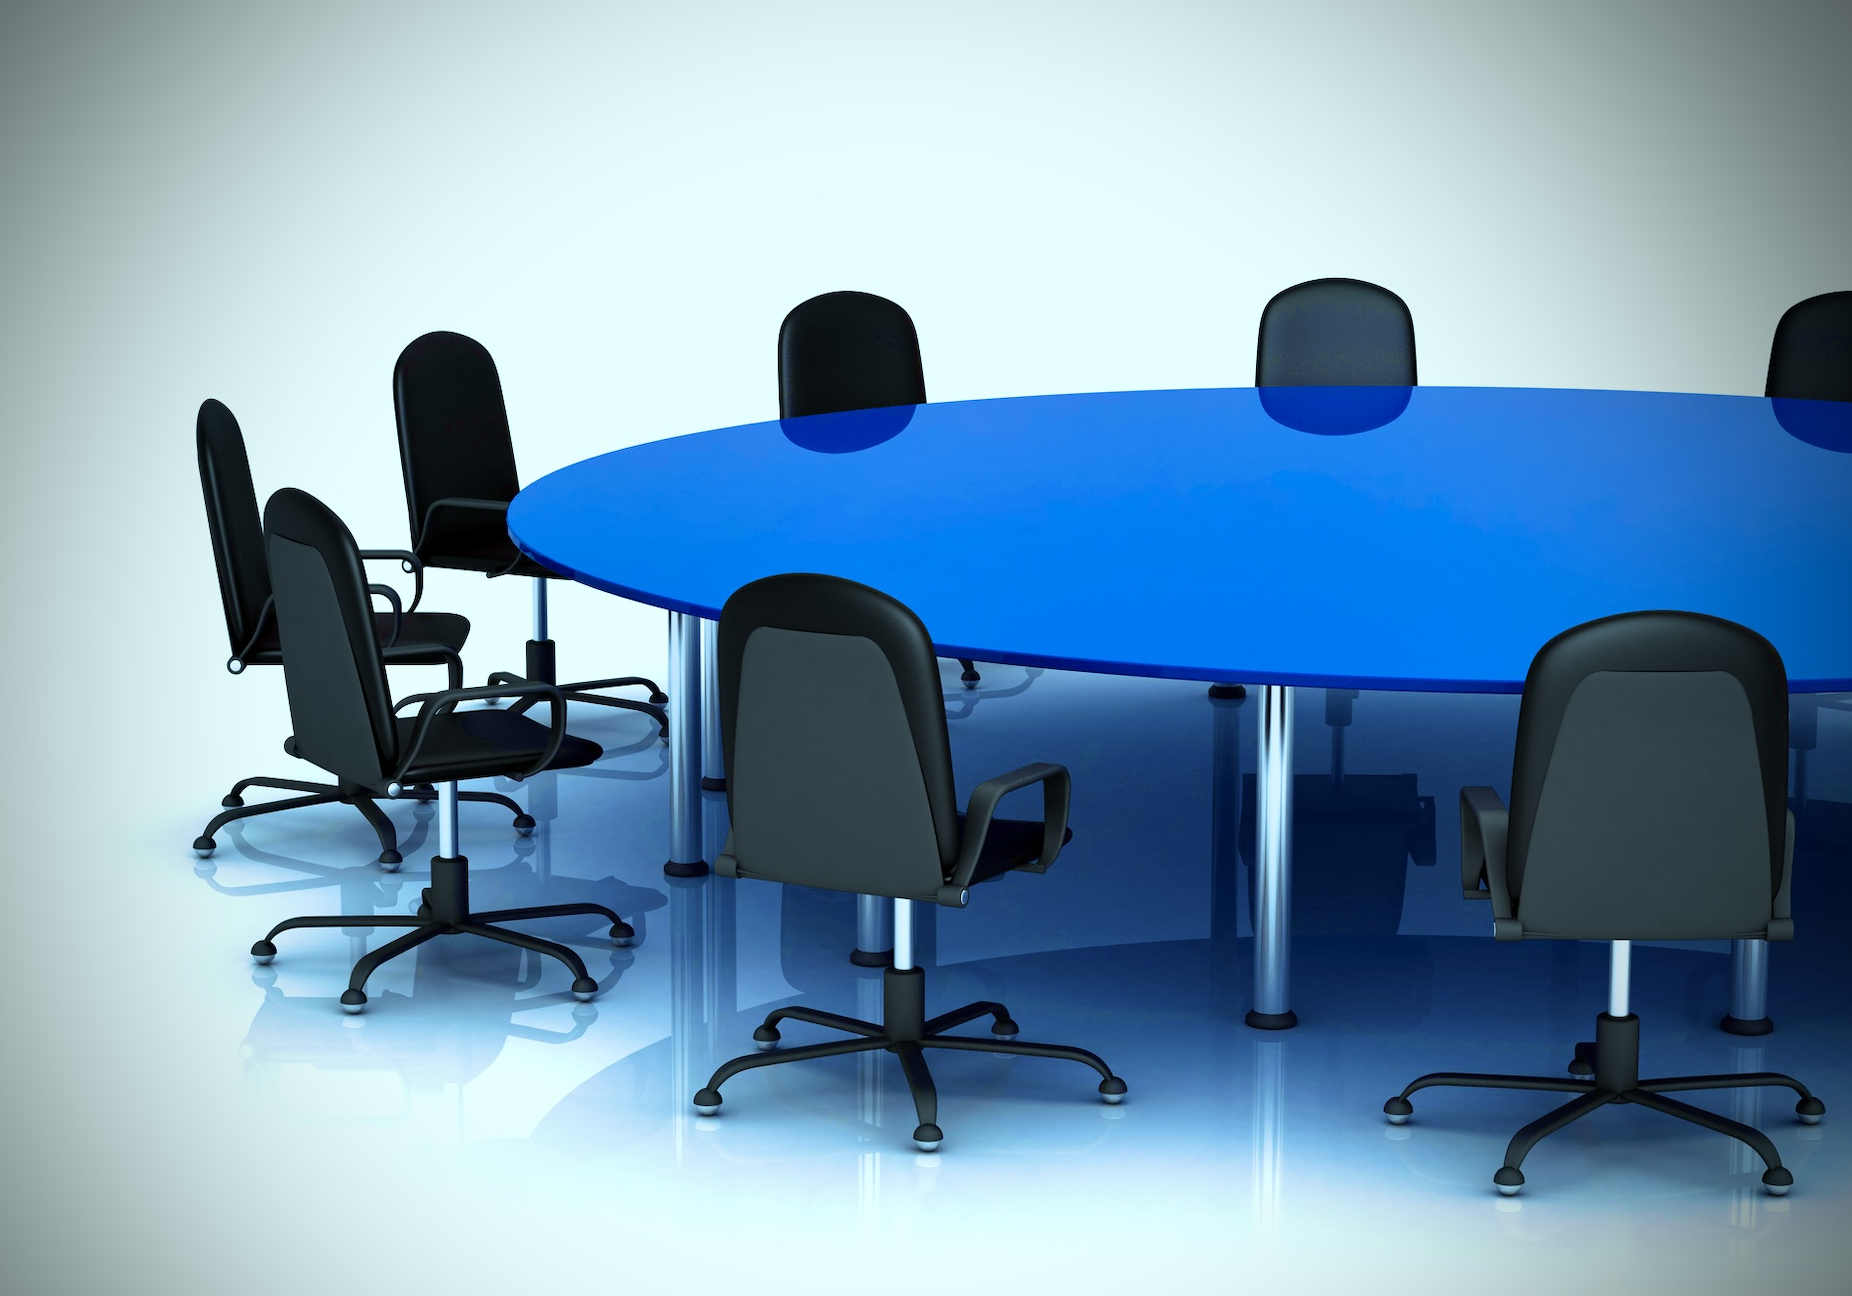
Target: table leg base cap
713,784
676,870
1737,1026
1272,1021
872,958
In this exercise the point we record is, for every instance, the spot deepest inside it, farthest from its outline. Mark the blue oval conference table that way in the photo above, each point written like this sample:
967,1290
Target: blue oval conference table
1426,538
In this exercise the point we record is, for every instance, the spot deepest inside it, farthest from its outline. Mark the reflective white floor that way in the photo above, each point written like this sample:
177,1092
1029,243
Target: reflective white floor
223,1128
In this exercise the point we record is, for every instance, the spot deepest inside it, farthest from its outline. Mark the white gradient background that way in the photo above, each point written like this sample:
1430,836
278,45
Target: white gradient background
264,203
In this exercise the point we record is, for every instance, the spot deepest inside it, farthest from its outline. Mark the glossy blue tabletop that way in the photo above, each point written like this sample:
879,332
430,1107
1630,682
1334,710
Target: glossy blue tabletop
1388,538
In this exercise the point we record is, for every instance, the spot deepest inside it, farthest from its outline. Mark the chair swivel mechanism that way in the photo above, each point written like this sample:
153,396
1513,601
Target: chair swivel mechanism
408,636
852,351
458,459
1648,802
346,723
853,791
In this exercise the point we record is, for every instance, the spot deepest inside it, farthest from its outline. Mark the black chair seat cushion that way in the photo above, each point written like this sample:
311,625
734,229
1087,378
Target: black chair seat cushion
478,744
445,630
1010,844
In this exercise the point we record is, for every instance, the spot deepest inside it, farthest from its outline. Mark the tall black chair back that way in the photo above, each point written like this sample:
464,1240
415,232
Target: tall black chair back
847,351
339,703
1648,790
850,789
232,518
454,443
1811,358
1335,333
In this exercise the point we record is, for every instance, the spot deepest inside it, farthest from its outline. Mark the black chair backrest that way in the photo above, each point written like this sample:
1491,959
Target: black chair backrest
1335,333
847,351
231,516
1649,787
338,698
1811,358
848,787
453,427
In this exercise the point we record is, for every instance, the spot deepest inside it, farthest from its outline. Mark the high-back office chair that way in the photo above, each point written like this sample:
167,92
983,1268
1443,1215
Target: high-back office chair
410,637
458,460
851,351
852,791
1811,357
1648,802
346,723
1335,333
1332,333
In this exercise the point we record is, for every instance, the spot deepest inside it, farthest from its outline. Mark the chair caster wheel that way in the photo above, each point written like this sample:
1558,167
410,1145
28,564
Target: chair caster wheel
766,1038
1398,1110
1810,1110
623,935
1005,1029
658,699
352,1001
524,824
422,911
232,801
1112,1091
1581,1069
707,1102
263,952
389,861
1508,1180
1778,1181
928,1137
583,989
204,846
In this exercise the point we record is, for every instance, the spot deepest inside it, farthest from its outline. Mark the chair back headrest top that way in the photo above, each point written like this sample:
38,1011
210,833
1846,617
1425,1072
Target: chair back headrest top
1648,796
1811,356
339,701
1335,333
838,764
847,351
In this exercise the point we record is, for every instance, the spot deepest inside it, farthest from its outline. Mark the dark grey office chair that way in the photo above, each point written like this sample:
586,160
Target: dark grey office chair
409,637
1648,802
851,351
458,460
852,790
1335,333
1811,356
346,723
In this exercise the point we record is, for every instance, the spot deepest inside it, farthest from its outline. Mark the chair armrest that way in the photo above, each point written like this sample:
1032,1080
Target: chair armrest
453,504
235,663
437,704
1483,825
1057,791
398,613
408,561
453,660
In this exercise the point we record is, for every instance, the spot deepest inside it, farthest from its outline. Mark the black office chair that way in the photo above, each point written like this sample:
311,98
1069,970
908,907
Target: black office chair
411,637
1648,802
1335,333
346,723
458,460
851,351
1811,357
852,791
